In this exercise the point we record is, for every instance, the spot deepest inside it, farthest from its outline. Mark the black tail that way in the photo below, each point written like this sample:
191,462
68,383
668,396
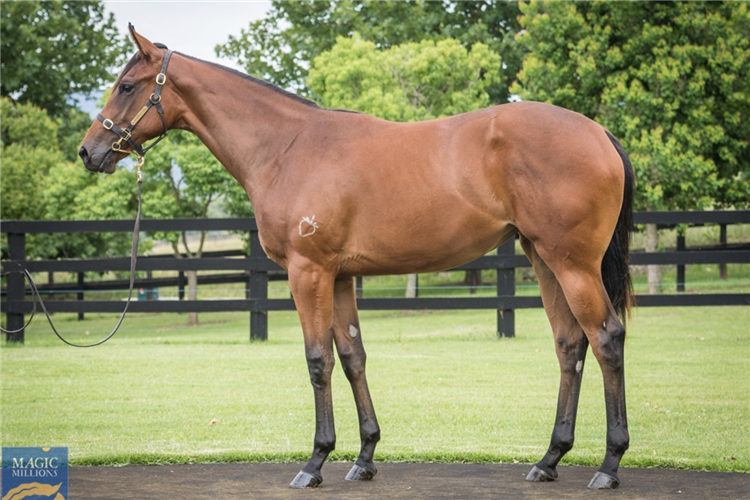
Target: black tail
616,263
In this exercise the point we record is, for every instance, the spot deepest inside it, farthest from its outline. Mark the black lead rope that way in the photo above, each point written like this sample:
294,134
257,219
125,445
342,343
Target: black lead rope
36,297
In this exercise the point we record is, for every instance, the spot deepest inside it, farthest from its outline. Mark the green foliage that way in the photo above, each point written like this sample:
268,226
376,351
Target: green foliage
280,47
55,50
408,82
29,152
73,193
39,182
26,125
23,179
669,79
236,202
183,179
73,126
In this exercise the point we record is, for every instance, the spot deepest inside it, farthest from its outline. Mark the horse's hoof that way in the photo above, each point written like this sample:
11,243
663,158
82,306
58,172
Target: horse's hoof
360,474
540,476
602,481
305,480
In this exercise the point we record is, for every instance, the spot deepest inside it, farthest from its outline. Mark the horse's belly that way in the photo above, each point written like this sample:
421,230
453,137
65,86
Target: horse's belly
423,245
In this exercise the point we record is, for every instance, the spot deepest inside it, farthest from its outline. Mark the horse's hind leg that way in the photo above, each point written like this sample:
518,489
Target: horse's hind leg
348,339
578,270
571,345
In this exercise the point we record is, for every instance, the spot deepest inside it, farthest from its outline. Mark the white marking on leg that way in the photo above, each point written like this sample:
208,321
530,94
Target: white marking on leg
353,332
579,366
307,226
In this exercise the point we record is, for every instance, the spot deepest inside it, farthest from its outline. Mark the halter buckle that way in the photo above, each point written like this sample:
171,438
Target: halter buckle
117,146
108,124
157,101
161,79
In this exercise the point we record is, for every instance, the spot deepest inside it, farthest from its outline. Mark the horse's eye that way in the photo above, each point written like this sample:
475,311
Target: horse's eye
126,88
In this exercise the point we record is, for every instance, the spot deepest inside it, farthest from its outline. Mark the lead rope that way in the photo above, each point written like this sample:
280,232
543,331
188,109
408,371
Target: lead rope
36,297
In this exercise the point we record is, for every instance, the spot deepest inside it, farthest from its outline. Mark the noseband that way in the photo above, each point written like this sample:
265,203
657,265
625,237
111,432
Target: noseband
126,134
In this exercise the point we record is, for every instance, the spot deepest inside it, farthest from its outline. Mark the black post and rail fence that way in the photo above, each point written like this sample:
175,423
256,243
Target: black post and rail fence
256,270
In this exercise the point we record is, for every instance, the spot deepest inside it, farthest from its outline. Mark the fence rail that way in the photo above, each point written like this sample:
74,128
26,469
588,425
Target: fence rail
256,270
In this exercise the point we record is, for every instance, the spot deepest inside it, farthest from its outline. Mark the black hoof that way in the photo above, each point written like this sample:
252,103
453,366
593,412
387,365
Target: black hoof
540,476
305,480
602,481
360,474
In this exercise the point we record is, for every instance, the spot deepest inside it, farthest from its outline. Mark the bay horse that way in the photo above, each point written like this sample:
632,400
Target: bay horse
340,194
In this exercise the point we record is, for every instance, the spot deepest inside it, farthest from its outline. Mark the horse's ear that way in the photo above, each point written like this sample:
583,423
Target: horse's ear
148,49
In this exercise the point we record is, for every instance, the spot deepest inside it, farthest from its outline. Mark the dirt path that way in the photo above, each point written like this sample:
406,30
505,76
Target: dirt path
394,481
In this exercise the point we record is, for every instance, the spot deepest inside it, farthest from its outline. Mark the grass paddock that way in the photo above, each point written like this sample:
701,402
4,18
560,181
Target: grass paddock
445,389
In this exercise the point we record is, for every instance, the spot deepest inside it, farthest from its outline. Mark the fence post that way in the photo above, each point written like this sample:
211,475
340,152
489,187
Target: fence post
16,285
258,289
681,267
506,285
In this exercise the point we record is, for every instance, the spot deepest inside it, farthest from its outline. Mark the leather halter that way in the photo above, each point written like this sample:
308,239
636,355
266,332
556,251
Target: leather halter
126,134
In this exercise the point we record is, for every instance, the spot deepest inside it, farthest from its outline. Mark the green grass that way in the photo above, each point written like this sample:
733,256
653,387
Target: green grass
444,387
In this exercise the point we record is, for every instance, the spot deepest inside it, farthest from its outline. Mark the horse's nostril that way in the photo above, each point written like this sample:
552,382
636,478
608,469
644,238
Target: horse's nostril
84,154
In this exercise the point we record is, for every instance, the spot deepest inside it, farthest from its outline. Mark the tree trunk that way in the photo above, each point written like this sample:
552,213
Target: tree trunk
411,286
192,284
654,271
473,279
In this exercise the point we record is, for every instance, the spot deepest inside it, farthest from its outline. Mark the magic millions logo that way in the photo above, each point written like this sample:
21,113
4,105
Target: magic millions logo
35,473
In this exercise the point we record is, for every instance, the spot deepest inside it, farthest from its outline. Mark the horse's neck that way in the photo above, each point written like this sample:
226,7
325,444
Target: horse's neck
245,124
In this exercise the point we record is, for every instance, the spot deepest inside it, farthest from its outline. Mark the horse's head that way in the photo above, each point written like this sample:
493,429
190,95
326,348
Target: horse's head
127,121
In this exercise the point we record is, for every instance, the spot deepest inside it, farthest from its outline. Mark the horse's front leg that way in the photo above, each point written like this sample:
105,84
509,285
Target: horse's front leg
312,289
348,339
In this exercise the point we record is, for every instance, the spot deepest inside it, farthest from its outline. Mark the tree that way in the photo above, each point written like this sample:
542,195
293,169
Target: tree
55,51
280,47
73,193
183,179
408,82
27,133
38,182
670,80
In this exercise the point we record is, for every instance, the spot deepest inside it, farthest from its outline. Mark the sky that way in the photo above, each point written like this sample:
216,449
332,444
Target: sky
191,27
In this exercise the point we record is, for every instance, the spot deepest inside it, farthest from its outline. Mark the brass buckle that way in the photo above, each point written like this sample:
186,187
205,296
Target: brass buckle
117,146
161,79
156,101
108,124
139,161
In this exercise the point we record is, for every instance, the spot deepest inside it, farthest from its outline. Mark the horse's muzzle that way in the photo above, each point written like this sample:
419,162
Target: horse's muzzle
84,154
105,165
